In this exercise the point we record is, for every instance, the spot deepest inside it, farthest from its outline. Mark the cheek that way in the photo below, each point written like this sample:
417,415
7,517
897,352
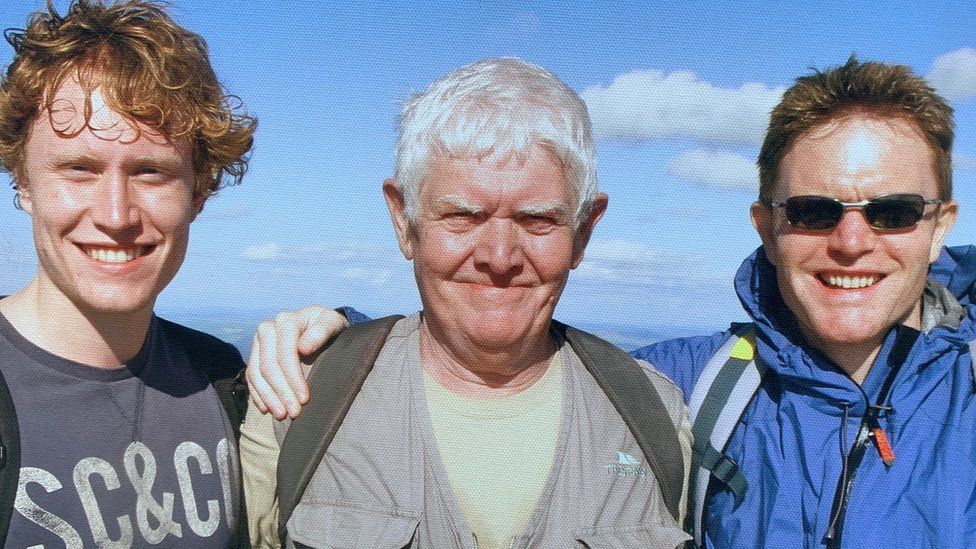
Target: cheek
552,260
168,212
791,250
441,251
57,202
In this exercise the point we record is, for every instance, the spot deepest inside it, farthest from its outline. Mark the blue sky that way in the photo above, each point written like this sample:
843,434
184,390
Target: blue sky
678,93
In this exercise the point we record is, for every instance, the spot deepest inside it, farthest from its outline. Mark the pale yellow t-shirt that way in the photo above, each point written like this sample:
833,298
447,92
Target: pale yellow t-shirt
498,451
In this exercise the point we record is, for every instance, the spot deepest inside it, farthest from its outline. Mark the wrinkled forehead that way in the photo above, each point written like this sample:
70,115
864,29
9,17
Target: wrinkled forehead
536,166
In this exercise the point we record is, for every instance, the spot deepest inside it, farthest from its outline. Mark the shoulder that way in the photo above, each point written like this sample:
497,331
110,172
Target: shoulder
222,359
670,394
682,360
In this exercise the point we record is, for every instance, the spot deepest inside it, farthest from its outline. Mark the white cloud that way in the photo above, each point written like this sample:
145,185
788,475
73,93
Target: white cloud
360,262
375,277
715,168
617,263
262,252
953,74
648,104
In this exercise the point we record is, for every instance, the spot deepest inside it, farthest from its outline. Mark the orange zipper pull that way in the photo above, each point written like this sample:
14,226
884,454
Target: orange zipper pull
884,447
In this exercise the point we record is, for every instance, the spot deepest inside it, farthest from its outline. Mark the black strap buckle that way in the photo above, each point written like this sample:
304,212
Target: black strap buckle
725,469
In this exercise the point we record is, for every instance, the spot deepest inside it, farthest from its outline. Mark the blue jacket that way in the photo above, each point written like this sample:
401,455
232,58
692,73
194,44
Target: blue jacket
793,437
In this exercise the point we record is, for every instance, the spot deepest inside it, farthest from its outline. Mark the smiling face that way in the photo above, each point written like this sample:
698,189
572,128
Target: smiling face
492,247
111,204
849,285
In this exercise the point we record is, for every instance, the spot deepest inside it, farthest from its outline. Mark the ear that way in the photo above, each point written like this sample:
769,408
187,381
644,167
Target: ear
198,202
397,206
762,220
582,237
945,218
23,199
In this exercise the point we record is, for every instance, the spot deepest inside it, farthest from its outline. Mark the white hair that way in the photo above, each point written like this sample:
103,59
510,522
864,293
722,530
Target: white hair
489,110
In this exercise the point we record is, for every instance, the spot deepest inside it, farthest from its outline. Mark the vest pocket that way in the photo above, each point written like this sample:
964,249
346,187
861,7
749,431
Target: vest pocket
614,537
325,526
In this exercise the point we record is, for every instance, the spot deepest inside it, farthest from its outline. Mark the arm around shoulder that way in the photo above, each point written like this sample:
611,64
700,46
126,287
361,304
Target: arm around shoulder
259,465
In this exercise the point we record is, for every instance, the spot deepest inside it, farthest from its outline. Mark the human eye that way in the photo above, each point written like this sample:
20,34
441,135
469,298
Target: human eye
461,219
539,224
77,171
154,174
150,173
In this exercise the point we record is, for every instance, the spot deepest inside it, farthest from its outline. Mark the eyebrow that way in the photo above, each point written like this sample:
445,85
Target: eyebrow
60,159
552,208
547,208
171,164
459,202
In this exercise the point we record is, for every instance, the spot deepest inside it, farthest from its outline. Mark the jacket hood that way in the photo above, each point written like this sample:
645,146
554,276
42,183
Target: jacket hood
956,270
781,342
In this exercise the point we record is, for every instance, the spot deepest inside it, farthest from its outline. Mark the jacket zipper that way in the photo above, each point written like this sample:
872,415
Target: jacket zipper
842,495
905,340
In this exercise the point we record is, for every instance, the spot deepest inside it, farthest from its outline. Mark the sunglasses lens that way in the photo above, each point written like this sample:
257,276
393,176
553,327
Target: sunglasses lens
896,211
813,213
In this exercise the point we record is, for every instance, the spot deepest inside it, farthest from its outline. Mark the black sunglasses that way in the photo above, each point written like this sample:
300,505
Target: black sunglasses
890,212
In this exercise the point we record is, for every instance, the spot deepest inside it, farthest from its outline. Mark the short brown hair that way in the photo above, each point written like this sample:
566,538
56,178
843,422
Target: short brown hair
872,87
148,68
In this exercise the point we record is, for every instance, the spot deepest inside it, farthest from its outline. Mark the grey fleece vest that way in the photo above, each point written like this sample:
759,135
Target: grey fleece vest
382,485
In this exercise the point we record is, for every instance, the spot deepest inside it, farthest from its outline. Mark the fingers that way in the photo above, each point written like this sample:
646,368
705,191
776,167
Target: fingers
275,371
262,395
322,324
269,389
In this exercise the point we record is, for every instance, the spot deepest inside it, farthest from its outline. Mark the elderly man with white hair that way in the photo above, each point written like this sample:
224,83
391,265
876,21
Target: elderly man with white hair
480,421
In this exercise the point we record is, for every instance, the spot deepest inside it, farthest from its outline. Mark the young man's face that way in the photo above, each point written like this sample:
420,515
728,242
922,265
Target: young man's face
850,283
111,203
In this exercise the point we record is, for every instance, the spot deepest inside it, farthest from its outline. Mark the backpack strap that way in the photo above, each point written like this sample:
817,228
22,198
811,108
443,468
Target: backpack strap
334,381
721,394
639,405
221,364
9,458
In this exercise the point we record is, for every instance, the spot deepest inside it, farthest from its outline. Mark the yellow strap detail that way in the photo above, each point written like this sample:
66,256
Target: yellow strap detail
745,348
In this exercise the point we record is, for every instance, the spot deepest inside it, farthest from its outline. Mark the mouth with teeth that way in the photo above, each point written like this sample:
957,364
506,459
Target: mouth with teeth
116,255
849,282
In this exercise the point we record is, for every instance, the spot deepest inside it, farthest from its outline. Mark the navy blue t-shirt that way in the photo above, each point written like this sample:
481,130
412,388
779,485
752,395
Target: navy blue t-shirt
138,456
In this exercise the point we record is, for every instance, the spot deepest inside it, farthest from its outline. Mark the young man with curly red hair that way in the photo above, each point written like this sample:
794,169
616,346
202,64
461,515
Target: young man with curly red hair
117,428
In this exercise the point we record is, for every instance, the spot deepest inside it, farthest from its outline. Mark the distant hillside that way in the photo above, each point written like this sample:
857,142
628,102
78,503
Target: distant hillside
237,328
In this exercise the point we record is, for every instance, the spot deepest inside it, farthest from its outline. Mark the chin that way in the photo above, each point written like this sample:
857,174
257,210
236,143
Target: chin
114,303
850,331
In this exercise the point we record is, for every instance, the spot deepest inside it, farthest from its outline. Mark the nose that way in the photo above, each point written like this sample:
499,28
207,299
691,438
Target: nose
852,237
114,206
498,251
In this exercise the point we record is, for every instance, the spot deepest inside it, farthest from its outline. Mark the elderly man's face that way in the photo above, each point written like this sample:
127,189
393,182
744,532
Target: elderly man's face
493,246
111,206
851,283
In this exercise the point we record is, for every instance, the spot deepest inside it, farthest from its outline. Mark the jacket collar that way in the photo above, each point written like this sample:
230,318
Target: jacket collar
949,315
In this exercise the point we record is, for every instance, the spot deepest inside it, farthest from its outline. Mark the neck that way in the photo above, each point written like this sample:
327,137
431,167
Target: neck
47,318
855,360
478,374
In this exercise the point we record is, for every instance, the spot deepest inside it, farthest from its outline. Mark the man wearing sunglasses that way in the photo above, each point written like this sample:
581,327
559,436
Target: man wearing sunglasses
860,431
844,414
